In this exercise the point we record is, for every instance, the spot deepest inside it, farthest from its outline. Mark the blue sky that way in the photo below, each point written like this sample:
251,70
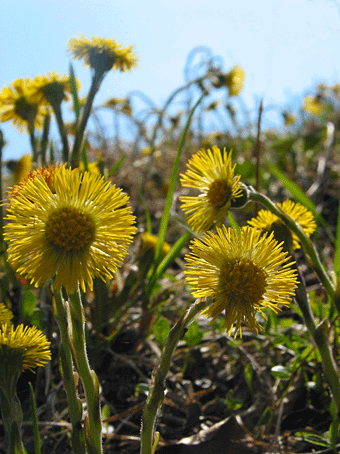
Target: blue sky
284,46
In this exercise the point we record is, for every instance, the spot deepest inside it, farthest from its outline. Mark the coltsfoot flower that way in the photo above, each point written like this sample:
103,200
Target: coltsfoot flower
243,272
74,229
52,88
102,54
266,220
212,173
20,168
16,104
22,347
235,80
312,105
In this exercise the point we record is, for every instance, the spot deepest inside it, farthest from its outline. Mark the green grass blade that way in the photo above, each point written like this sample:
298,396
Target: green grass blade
74,91
337,246
116,166
84,158
34,421
147,212
172,255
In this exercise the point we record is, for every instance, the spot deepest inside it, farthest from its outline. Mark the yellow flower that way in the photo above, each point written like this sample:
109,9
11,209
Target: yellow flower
266,220
235,80
212,174
20,168
102,54
51,88
17,105
77,231
5,316
92,167
243,272
121,104
149,243
23,347
289,118
312,105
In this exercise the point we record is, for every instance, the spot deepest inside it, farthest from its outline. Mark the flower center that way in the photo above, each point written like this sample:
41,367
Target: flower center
70,228
244,283
219,193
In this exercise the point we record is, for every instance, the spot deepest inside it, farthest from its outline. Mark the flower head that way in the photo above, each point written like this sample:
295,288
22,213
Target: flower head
5,316
20,168
102,54
288,118
72,230
16,104
23,347
235,80
51,88
244,272
312,105
212,173
266,220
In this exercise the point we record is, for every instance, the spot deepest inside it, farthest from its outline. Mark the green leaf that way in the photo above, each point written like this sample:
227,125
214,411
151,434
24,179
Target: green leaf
280,372
194,335
29,303
161,330
317,440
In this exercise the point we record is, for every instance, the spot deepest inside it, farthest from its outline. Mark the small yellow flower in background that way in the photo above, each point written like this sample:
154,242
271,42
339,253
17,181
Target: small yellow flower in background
243,272
22,347
312,105
51,88
121,104
149,243
235,80
92,167
266,220
102,54
17,105
288,118
77,231
5,316
212,173
20,168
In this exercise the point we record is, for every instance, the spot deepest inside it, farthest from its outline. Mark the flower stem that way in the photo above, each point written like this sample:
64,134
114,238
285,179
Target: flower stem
96,81
62,131
156,392
319,336
305,241
93,423
66,365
